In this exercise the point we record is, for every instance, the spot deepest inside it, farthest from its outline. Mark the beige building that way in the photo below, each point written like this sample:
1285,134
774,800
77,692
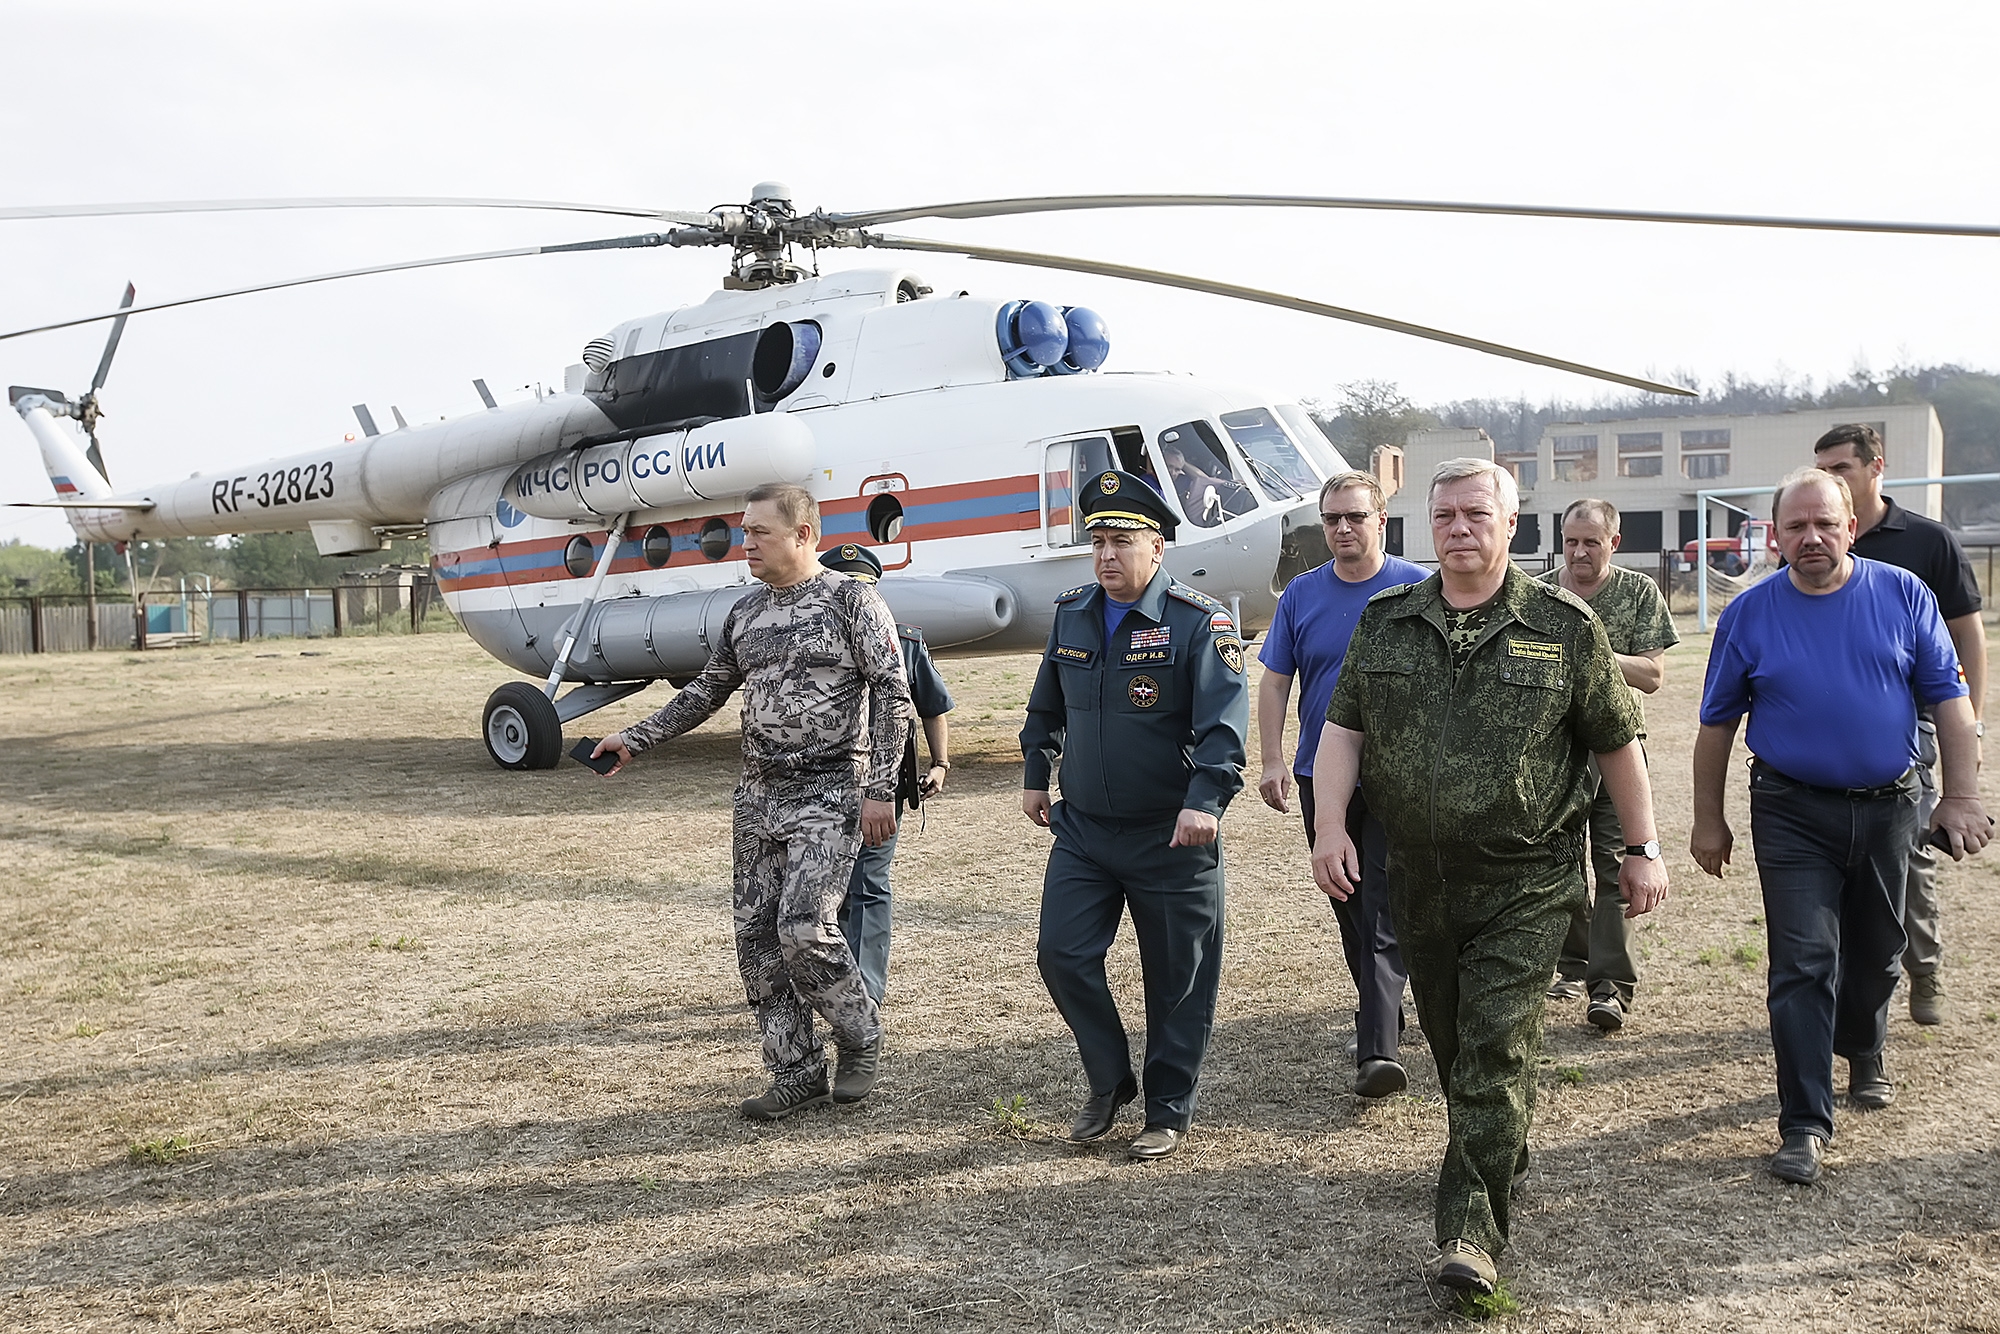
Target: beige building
1650,468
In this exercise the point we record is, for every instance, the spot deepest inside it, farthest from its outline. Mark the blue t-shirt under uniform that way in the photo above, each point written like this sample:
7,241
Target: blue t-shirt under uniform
1308,638
1831,681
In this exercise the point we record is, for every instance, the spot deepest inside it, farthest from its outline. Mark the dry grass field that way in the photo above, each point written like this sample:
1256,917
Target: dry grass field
315,1019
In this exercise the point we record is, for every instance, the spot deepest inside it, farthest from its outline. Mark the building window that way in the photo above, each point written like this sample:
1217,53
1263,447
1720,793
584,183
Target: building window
1575,458
1526,471
1704,454
1392,538
1527,536
1640,453
1641,530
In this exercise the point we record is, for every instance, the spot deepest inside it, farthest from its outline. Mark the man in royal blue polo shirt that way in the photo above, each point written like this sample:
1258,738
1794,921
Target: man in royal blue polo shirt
1831,658
1308,639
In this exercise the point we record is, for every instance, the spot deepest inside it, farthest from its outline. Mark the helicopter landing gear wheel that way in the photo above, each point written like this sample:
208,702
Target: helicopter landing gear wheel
521,728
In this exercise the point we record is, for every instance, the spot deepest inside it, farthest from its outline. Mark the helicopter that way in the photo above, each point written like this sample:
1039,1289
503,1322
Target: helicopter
591,537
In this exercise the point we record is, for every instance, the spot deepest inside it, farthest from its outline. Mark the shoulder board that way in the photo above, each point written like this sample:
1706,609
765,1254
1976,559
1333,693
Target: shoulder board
1074,593
1194,596
1393,591
910,632
1564,596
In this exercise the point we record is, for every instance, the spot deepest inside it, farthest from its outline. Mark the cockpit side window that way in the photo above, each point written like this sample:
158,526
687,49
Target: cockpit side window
1281,470
1203,477
1067,465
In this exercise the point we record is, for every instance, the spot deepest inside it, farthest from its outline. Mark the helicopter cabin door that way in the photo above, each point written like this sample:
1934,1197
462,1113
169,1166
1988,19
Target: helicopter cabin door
1066,464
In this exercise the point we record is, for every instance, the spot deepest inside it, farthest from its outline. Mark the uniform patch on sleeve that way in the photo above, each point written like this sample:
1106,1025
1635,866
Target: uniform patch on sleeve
1219,623
1231,650
1082,657
1534,650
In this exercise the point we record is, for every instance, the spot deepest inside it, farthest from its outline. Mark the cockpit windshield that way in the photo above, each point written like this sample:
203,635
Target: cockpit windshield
1313,440
1203,478
1280,469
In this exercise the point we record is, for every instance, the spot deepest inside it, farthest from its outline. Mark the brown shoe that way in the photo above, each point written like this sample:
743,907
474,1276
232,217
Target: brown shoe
1462,1265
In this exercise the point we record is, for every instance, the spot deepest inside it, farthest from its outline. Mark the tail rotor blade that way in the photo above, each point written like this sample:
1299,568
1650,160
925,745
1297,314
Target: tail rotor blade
104,362
96,457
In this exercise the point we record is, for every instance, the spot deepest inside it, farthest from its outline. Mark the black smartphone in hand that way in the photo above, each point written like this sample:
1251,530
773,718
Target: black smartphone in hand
1942,841
603,764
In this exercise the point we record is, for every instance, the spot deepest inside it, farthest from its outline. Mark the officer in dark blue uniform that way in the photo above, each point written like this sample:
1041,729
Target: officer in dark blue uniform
1141,693
865,913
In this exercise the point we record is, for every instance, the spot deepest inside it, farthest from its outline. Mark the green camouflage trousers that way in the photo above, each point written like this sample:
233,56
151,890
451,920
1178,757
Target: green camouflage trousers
1480,956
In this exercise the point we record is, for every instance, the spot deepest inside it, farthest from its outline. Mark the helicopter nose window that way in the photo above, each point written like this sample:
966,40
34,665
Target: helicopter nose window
578,556
1281,470
885,518
715,539
1202,476
657,546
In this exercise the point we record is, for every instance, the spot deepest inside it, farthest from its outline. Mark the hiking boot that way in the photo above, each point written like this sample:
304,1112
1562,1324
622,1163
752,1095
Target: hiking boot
856,1074
1926,998
1464,1266
1607,1011
781,1100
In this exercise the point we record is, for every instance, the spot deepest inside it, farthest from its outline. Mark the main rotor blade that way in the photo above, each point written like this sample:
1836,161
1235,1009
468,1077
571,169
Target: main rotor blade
1265,298
644,241
104,362
359,201
994,208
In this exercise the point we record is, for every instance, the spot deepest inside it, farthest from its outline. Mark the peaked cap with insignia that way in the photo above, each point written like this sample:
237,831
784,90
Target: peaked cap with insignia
1124,500
849,558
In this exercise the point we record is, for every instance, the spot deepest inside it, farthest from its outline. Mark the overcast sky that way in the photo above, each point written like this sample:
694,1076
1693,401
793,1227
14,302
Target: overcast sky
1800,108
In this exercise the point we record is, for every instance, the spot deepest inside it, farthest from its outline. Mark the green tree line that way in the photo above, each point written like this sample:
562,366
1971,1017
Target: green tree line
253,560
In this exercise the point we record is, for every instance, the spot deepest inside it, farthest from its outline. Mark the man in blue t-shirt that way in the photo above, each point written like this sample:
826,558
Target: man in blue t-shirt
1831,658
1308,637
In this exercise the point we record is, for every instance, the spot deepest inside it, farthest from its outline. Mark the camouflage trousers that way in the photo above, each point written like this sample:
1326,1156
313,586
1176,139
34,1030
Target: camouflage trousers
794,853
1480,954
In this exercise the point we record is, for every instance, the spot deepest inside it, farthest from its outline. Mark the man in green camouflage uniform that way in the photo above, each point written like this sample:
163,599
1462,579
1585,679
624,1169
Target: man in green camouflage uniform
825,707
1467,708
1597,957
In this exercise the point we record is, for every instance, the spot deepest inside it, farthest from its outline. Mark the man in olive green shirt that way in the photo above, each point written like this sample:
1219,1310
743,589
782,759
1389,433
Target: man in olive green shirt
1597,955
1466,709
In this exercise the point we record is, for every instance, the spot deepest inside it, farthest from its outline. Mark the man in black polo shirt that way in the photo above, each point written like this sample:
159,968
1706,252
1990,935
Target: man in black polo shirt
1927,549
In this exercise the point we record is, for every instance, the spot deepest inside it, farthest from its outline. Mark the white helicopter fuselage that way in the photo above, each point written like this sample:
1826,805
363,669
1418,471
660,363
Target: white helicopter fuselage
900,415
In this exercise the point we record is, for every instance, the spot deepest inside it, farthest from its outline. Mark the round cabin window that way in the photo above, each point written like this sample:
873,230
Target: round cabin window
657,546
715,539
885,518
579,556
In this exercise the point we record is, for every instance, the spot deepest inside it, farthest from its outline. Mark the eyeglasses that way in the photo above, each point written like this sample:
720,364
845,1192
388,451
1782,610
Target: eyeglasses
1353,518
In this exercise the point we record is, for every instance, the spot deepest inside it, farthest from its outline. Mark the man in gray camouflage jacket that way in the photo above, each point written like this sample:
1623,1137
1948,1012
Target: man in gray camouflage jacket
825,708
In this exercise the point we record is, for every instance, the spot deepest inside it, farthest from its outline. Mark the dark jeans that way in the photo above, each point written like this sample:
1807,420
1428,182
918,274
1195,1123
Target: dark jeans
1367,936
866,914
1832,867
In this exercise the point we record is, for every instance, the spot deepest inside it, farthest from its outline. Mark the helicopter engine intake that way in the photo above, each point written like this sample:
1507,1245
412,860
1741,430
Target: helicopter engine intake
715,462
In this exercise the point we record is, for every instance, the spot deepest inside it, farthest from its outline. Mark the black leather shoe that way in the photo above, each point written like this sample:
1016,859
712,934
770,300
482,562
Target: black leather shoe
1380,1078
1798,1160
1868,1083
1154,1143
1093,1123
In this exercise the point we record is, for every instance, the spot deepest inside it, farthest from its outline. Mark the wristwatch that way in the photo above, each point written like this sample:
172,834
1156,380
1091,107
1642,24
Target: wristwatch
1650,850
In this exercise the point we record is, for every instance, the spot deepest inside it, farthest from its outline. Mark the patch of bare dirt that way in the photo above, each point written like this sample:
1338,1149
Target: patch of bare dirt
315,1019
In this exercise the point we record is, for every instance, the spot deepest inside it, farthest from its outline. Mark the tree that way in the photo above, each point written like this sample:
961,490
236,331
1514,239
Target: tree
1367,415
291,560
27,571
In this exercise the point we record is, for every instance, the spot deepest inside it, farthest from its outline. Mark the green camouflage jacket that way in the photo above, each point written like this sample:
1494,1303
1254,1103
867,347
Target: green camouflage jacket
1486,774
